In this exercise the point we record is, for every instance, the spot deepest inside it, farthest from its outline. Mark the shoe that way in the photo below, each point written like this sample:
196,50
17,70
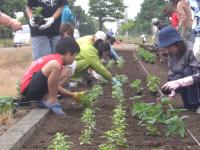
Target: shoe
198,110
40,104
56,108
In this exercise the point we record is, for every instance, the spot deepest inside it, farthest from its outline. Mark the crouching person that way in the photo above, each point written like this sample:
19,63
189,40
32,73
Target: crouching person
44,79
181,63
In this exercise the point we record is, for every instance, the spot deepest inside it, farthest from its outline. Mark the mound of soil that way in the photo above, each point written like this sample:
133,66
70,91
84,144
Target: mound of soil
137,140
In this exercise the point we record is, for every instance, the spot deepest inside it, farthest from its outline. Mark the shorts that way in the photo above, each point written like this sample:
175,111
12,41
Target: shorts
37,88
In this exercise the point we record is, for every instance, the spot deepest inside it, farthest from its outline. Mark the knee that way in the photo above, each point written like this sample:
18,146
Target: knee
176,77
187,71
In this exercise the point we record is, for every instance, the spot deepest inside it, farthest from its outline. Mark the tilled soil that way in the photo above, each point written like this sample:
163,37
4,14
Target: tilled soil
137,140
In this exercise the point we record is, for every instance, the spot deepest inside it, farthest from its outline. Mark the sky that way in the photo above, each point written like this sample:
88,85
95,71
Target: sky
133,7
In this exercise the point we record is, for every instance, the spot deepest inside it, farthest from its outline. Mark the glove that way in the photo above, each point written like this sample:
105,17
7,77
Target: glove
49,22
96,75
116,82
72,67
78,95
32,22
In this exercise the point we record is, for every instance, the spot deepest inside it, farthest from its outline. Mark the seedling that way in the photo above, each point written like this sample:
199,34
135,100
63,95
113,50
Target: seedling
122,78
60,142
136,85
147,56
37,14
120,62
152,84
110,64
6,108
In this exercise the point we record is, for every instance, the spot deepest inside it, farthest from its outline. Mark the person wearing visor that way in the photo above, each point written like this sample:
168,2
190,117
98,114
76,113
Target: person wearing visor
181,63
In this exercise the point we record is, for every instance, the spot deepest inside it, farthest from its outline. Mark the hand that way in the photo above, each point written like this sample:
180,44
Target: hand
49,22
32,22
116,82
78,95
72,67
16,25
173,93
96,75
172,85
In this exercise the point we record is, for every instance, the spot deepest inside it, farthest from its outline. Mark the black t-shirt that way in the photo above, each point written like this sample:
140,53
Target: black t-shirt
50,7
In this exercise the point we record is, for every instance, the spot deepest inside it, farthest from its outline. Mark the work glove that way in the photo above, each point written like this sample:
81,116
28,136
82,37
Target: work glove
96,75
49,22
32,22
72,68
78,95
116,82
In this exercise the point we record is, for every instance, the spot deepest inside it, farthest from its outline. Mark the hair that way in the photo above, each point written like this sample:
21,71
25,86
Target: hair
111,39
175,3
66,27
168,10
67,44
181,45
102,47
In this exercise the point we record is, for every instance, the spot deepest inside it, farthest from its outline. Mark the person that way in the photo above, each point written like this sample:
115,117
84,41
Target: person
185,15
92,49
194,4
157,26
111,33
173,16
8,21
113,54
181,63
45,36
45,78
144,38
67,16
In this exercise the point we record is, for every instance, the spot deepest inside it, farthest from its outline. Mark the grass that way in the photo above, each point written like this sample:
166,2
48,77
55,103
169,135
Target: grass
6,43
13,63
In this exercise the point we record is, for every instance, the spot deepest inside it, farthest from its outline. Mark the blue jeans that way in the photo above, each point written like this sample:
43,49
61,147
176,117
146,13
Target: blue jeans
43,45
191,94
113,54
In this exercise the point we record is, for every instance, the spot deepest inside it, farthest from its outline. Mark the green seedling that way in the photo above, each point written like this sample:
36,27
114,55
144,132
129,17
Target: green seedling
37,14
107,146
120,62
136,85
110,64
147,56
88,118
86,136
136,98
6,109
122,78
60,142
153,83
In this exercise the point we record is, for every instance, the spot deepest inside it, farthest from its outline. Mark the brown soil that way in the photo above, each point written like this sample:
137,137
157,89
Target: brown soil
70,124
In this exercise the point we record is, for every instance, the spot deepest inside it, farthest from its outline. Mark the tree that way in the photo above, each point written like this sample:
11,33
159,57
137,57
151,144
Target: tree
109,10
127,26
149,10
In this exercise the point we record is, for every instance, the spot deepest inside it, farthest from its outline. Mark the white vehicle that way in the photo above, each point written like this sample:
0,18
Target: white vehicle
22,37
76,34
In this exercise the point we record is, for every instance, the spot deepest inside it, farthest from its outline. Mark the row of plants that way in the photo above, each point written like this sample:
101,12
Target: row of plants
6,109
120,62
88,117
116,137
152,85
159,118
146,56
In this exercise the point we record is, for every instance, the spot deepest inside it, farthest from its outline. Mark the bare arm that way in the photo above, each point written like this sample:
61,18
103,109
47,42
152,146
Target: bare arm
57,13
29,12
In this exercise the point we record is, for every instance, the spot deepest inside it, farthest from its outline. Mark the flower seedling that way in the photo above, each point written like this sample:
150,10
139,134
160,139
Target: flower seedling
6,109
110,64
147,56
120,62
136,85
152,84
60,142
37,14
121,78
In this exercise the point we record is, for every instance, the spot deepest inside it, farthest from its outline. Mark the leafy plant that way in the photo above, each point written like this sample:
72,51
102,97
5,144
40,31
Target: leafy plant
110,64
117,94
146,56
60,142
136,84
120,62
121,78
153,83
6,108
37,11
151,115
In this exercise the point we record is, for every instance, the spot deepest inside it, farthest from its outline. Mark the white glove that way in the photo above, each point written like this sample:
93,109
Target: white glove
196,48
72,67
96,75
49,22
116,82
32,22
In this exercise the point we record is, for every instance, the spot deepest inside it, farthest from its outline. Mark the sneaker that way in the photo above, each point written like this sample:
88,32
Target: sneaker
40,104
56,108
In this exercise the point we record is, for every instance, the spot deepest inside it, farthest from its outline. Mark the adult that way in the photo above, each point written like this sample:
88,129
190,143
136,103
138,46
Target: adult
173,16
67,15
8,21
181,63
92,50
45,37
185,15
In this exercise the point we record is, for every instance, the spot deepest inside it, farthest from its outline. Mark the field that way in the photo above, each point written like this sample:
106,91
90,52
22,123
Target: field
13,62
137,140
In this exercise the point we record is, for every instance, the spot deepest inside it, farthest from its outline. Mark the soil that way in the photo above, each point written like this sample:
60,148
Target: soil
70,124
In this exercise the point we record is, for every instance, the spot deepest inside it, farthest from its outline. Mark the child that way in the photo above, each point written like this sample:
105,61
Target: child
181,63
45,77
